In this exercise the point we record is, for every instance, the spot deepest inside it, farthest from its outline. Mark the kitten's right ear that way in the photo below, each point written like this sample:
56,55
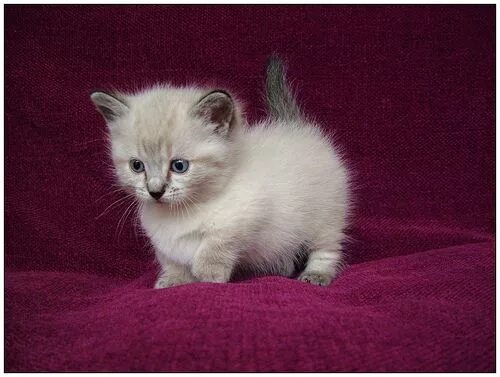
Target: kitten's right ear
216,107
108,105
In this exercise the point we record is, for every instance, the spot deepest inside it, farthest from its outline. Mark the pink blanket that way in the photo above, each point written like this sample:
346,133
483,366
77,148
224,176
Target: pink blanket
409,92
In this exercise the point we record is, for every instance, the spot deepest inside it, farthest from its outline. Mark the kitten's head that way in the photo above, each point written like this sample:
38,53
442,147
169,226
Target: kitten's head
171,145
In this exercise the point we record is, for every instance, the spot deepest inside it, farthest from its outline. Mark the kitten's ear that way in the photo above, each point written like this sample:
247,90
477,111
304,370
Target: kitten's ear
108,105
217,108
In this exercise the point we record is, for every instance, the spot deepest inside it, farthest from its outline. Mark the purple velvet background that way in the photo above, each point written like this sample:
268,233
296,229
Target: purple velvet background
409,93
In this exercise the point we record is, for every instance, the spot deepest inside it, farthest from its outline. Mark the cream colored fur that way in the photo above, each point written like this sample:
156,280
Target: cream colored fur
253,196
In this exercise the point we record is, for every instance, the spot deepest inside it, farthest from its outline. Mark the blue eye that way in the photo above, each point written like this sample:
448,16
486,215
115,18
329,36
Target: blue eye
136,165
179,166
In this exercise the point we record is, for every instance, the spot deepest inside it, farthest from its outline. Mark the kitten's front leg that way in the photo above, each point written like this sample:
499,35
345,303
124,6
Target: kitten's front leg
214,261
174,274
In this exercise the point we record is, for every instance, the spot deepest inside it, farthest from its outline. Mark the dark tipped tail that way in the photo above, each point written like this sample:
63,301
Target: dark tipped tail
280,99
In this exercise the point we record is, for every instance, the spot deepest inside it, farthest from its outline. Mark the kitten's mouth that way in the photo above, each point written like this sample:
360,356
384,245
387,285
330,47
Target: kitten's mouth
161,200
169,200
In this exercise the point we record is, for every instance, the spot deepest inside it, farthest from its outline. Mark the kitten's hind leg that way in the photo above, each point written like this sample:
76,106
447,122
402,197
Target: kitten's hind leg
323,264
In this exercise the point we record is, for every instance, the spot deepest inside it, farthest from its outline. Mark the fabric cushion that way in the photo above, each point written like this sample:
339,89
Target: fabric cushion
408,92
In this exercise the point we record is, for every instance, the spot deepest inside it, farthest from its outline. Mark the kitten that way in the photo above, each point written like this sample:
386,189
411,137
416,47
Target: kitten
218,194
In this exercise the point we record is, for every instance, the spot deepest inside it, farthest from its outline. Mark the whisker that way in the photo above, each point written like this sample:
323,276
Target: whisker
195,202
119,201
123,219
136,223
109,193
190,202
183,206
183,203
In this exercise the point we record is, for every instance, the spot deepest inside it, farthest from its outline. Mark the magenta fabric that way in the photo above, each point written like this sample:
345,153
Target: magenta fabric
409,93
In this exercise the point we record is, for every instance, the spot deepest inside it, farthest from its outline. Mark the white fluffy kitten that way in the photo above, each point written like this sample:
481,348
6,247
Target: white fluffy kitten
219,195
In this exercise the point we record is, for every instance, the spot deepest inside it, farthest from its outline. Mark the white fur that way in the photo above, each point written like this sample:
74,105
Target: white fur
253,199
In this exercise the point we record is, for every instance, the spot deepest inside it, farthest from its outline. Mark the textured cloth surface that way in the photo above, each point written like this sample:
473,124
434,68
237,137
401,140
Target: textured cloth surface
408,92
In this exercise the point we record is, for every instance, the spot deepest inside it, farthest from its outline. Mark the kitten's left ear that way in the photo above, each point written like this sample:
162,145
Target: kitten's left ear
108,105
216,107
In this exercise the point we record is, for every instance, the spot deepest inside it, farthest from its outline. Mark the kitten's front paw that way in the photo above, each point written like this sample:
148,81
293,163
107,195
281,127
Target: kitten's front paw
315,278
171,281
212,273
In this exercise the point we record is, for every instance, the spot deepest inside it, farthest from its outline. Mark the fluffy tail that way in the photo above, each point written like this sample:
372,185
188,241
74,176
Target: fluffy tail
280,98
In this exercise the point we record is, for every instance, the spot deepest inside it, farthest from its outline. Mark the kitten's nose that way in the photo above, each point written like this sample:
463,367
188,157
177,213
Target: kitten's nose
157,194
